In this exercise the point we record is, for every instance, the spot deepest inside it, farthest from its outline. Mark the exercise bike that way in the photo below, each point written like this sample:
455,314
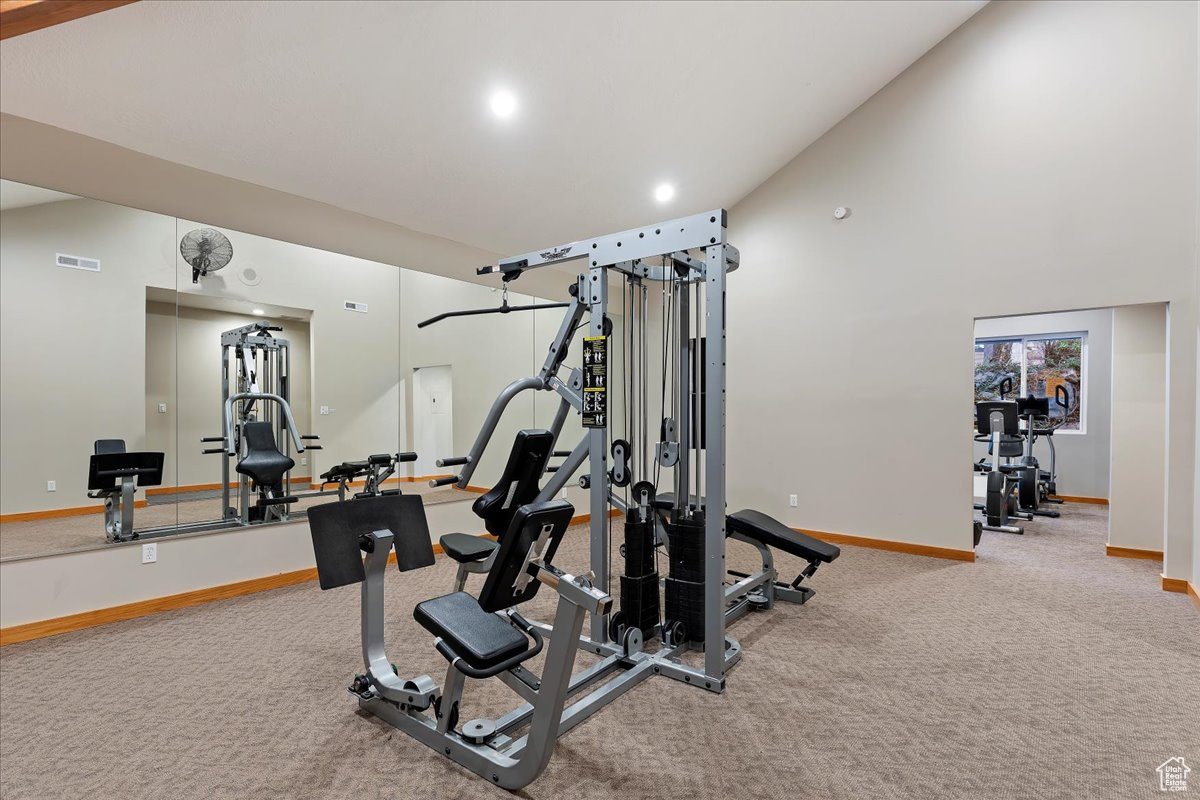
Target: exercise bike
998,424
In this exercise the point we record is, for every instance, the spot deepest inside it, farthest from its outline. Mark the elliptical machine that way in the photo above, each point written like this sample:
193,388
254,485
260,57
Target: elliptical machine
998,424
1035,485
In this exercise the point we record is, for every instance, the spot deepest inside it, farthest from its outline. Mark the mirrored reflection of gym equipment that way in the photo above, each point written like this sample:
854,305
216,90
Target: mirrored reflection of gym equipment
258,429
114,475
486,637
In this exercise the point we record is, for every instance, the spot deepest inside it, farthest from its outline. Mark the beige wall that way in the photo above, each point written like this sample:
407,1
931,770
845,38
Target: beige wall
1030,143
1139,410
485,353
72,343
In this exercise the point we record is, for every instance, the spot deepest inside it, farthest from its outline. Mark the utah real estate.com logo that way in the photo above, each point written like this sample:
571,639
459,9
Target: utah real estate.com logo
1172,775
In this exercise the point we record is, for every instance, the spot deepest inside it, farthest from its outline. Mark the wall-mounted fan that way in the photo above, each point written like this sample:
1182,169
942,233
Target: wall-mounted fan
206,250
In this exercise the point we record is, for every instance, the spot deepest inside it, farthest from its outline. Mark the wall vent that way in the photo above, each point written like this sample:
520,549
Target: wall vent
353,306
77,262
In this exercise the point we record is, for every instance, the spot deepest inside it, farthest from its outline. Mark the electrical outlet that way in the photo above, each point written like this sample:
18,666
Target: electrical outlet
324,410
149,553
793,500
304,461
162,408
51,486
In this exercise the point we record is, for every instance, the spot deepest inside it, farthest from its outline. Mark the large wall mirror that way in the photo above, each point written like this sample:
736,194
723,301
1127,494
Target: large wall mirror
75,278
211,355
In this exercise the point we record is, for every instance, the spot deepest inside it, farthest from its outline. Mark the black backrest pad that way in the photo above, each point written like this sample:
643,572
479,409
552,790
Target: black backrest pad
1038,406
149,468
263,462
336,528
983,413
518,484
107,446
499,591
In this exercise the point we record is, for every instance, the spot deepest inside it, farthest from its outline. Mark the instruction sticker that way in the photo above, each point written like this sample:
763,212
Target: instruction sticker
595,381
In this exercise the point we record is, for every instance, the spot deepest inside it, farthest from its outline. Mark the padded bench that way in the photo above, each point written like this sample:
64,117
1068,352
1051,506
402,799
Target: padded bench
773,533
482,639
465,548
768,530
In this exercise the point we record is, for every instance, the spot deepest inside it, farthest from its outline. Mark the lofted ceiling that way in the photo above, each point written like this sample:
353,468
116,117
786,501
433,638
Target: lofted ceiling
381,108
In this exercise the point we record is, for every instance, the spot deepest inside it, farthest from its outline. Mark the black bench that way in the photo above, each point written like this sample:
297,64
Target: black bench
518,485
773,533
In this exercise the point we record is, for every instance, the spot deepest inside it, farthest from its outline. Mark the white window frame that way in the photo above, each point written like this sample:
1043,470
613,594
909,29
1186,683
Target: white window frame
1083,383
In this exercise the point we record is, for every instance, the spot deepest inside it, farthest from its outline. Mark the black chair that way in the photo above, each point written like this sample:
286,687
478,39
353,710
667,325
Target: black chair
518,486
265,465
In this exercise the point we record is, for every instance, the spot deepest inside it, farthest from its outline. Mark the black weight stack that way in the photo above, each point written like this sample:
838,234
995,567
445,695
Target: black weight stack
639,583
685,581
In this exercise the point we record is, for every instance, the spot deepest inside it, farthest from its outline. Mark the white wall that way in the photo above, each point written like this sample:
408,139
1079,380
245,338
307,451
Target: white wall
1029,143
72,343
486,353
1139,408
1082,458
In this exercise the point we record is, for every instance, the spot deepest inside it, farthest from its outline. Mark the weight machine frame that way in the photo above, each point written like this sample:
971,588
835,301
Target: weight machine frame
631,254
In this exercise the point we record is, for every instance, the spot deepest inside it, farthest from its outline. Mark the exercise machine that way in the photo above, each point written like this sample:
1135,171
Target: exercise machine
480,638
676,441
374,472
258,429
998,424
114,476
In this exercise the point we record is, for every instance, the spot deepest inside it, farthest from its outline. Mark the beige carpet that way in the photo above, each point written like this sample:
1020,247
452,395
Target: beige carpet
63,534
1044,670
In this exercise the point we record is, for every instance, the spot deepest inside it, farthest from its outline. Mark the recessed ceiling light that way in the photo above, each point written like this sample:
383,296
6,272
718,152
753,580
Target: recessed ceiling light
258,312
664,193
503,103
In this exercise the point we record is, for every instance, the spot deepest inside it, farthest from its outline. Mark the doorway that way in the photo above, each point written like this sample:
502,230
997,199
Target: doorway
433,417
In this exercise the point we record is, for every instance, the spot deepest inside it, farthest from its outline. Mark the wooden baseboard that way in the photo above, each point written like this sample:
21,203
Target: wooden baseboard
1174,585
56,513
1095,501
144,608
353,484
1194,595
19,17
158,491
1133,552
892,546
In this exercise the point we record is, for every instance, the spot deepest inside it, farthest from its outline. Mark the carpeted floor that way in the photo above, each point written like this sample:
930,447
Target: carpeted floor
1043,670
63,534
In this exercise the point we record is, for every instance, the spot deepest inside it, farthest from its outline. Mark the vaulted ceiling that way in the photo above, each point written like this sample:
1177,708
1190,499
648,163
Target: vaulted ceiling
382,108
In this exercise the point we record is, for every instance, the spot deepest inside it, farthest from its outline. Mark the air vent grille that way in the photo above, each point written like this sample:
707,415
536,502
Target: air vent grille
77,262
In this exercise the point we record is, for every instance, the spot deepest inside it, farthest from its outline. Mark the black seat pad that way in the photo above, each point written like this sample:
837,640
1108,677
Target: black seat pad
347,469
481,638
518,485
263,462
773,533
463,547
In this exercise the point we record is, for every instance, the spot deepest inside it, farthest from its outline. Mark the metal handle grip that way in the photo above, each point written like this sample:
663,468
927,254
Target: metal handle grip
214,450
1006,386
446,481
1062,397
213,439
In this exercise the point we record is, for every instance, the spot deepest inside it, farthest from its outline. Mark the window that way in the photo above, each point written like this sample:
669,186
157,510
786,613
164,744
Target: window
1037,366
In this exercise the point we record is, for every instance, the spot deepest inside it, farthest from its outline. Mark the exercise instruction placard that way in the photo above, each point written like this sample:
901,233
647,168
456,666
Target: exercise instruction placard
595,381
